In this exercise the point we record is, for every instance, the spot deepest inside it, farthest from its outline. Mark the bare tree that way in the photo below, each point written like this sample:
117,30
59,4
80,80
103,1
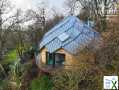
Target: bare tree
19,33
7,25
71,4
98,10
4,9
36,29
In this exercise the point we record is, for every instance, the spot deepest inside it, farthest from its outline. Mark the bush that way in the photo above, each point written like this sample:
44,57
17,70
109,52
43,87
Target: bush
3,85
10,57
108,56
84,77
41,83
65,80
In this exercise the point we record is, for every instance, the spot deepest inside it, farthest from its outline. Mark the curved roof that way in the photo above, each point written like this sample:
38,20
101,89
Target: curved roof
69,34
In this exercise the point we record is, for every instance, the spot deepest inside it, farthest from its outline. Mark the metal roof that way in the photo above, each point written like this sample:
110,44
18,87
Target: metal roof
77,33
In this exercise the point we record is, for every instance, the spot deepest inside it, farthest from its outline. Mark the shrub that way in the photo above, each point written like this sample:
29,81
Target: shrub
10,57
41,83
3,84
84,77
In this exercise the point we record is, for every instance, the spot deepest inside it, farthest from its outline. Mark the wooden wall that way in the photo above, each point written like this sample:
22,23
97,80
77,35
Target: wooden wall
70,60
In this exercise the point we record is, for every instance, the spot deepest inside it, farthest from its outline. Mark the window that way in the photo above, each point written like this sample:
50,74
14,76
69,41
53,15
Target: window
63,37
59,59
55,58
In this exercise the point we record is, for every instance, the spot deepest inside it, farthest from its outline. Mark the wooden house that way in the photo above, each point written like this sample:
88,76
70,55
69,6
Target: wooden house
60,45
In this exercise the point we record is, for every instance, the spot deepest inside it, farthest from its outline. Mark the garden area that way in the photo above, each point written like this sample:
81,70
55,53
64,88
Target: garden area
22,32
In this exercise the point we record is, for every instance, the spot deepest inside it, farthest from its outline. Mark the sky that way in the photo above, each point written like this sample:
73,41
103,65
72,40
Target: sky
32,4
23,4
51,6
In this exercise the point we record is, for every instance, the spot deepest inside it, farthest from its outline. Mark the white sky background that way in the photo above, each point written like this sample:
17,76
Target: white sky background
58,5
23,4
50,5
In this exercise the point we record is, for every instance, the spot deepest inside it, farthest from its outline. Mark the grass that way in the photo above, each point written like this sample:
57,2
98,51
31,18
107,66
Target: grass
10,57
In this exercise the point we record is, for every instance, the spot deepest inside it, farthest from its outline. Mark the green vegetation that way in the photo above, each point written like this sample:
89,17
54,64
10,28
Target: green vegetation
88,76
85,77
41,83
10,57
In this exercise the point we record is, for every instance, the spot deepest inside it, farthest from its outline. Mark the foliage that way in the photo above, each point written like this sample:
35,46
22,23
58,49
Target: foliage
2,72
10,57
41,83
93,10
15,76
3,84
108,56
84,77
